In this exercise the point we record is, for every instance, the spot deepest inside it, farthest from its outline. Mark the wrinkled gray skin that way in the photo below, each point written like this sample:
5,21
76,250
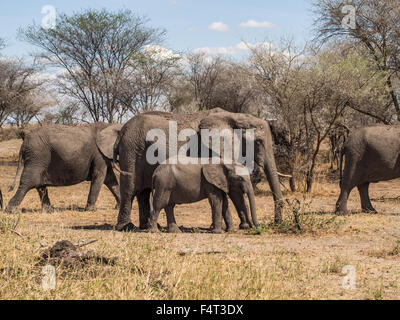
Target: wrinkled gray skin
58,155
372,154
180,183
131,147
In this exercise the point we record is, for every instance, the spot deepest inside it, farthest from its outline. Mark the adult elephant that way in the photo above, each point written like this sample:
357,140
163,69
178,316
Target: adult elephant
131,148
372,154
59,155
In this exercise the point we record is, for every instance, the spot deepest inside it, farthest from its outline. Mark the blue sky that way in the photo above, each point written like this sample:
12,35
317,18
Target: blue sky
190,24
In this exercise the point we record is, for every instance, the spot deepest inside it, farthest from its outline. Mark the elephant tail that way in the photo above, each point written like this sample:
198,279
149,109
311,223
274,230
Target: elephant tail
115,157
20,161
152,186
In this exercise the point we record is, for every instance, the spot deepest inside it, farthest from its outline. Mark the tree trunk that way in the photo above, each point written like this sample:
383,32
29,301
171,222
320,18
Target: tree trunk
310,173
292,183
309,180
394,97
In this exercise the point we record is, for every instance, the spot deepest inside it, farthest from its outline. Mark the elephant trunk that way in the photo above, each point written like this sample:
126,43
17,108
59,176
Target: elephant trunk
252,202
272,175
115,156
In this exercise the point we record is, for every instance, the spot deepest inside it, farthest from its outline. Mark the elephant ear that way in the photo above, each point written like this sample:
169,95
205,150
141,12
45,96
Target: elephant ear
215,174
106,138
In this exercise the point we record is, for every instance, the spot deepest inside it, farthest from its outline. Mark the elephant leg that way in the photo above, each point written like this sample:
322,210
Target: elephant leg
346,186
111,183
272,176
44,198
366,204
127,195
29,180
17,198
153,226
160,201
244,224
341,204
95,187
216,199
227,215
172,226
144,208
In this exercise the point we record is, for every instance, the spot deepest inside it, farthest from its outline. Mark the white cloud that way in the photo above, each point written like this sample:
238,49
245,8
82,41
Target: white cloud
241,47
175,3
218,26
160,52
256,24
215,51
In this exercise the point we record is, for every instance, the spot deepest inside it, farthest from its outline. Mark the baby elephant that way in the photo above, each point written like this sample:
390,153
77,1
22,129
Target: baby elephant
180,183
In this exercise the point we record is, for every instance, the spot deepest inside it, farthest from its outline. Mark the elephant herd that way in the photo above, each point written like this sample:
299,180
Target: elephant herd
58,155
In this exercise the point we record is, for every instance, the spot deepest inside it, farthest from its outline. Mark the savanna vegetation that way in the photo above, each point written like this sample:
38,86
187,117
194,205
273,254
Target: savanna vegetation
97,65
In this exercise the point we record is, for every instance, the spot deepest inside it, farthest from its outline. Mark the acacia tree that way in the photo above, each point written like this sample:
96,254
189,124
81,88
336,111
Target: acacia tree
377,30
277,72
210,82
67,113
180,96
30,106
235,90
22,93
151,76
311,93
93,49
203,76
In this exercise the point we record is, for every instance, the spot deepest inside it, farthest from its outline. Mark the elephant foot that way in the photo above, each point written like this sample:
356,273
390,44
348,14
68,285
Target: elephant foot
154,230
125,227
173,228
153,227
147,226
369,210
341,209
244,226
90,208
229,229
11,210
144,225
216,231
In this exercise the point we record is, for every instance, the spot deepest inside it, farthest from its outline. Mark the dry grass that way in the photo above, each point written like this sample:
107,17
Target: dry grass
271,263
9,150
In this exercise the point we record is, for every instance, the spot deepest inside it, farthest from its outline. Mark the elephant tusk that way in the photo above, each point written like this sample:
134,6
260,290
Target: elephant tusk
124,173
284,175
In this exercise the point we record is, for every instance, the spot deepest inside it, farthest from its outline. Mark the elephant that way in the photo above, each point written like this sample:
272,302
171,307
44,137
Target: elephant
59,155
131,149
185,182
372,154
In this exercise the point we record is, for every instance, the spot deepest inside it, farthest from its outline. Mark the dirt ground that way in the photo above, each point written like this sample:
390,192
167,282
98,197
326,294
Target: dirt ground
298,261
